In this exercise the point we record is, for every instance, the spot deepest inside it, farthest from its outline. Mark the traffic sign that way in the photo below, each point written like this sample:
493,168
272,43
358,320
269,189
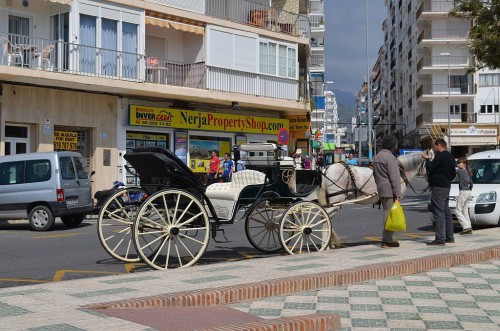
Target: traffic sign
283,136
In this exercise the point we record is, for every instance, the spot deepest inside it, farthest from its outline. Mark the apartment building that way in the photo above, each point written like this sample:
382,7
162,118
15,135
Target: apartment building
103,77
427,89
317,69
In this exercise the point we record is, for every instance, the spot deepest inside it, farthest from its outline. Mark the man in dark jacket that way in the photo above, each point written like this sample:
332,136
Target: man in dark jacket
388,180
441,171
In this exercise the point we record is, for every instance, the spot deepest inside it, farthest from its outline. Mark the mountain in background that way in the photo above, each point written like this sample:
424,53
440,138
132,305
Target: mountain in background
346,106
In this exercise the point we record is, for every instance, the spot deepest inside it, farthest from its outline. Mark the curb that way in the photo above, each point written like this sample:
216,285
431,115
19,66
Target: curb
289,285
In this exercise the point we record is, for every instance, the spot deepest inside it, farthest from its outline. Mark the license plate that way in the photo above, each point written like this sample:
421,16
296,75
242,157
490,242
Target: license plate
71,202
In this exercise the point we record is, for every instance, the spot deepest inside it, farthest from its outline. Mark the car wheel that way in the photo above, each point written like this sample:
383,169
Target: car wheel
41,218
73,221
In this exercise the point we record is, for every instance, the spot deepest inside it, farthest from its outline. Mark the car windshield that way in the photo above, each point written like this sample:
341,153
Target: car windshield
485,171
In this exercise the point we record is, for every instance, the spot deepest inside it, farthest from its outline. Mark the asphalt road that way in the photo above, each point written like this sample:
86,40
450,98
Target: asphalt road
29,257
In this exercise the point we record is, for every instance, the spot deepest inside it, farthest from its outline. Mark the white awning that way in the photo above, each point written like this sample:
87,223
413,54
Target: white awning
164,23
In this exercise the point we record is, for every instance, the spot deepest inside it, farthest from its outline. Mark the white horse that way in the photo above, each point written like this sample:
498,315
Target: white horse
344,183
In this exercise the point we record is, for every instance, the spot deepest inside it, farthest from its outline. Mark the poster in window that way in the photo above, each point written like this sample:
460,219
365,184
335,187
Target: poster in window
161,144
150,143
181,145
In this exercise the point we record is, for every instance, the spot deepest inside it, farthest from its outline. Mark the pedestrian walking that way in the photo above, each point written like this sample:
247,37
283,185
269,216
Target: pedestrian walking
388,180
213,170
465,186
227,168
299,159
441,171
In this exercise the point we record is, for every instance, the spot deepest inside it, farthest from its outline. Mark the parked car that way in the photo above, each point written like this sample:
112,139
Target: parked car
484,206
42,186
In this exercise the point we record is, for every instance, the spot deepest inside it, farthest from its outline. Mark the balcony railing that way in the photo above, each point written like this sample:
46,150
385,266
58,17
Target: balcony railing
438,6
68,58
317,61
258,15
444,34
442,61
196,6
442,89
442,117
317,21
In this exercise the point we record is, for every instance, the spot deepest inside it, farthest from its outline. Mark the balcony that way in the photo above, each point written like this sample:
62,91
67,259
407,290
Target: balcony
317,21
34,54
442,117
258,15
442,89
317,62
443,34
436,6
442,62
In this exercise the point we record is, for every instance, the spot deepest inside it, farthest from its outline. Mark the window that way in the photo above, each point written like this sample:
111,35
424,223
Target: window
454,109
109,52
67,170
488,109
12,173
19,25
273,56
130,59
88,43
489,80
38,171
80,168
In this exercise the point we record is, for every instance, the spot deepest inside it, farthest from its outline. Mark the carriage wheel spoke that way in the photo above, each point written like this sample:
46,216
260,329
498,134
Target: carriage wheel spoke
189,220
315,236
169,222
323,220
178,254
165,235
121,240
159,250
177,220
115,234
258,221
190,229
307,244
192,239
158,213
185,245
312,241
290,238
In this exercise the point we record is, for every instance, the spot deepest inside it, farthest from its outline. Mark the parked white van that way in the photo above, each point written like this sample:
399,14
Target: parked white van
42,186
484,207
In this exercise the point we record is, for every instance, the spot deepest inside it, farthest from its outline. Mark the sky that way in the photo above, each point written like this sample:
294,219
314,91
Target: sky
345,41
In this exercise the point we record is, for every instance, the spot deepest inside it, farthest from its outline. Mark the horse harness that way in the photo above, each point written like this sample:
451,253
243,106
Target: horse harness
347,190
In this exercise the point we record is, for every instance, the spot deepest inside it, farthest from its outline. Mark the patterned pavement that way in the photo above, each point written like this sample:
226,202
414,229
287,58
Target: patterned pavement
465,297
460,298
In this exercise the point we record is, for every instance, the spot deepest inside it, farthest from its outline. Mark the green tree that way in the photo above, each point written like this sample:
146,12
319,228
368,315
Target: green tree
485,31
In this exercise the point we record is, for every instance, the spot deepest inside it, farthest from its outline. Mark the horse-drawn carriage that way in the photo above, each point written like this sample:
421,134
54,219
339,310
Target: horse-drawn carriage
172,227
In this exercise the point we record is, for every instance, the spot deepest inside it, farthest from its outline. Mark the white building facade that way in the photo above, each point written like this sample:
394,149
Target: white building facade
113,75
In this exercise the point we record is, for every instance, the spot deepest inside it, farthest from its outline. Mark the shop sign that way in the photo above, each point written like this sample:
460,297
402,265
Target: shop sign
299,126
146,136
188,119
65,140
473,131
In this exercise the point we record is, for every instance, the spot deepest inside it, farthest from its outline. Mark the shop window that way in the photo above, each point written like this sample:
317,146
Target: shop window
200,148
144,139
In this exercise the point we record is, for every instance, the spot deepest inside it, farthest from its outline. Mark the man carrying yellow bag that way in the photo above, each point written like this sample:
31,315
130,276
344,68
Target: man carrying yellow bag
388,180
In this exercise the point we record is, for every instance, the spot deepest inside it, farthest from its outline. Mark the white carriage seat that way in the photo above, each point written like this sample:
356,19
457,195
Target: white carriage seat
223,196
231,190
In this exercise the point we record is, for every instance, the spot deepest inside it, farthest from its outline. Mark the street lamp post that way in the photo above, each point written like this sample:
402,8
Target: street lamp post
368,96
449,119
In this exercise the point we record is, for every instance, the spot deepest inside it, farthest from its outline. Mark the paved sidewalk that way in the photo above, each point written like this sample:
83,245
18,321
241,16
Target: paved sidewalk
352,283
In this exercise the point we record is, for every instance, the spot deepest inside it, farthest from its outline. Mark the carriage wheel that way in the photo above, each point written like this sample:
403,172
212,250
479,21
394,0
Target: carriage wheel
114,225
305,227
171,230
262,227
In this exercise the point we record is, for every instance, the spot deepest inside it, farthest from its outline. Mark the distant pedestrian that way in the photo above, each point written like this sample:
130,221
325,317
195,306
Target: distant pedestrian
441,171
213,170
307,163
299,159
465,186
388,180
320,161
351,160
227,168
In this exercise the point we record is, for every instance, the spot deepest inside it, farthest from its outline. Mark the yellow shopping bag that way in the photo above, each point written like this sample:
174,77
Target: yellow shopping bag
396,220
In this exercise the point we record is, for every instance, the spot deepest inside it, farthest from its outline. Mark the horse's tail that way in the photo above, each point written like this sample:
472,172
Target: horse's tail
322,191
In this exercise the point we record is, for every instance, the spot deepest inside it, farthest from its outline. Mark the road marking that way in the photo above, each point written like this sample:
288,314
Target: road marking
58,276
59,235
23,280
413,235
246,255
130,266
374,238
